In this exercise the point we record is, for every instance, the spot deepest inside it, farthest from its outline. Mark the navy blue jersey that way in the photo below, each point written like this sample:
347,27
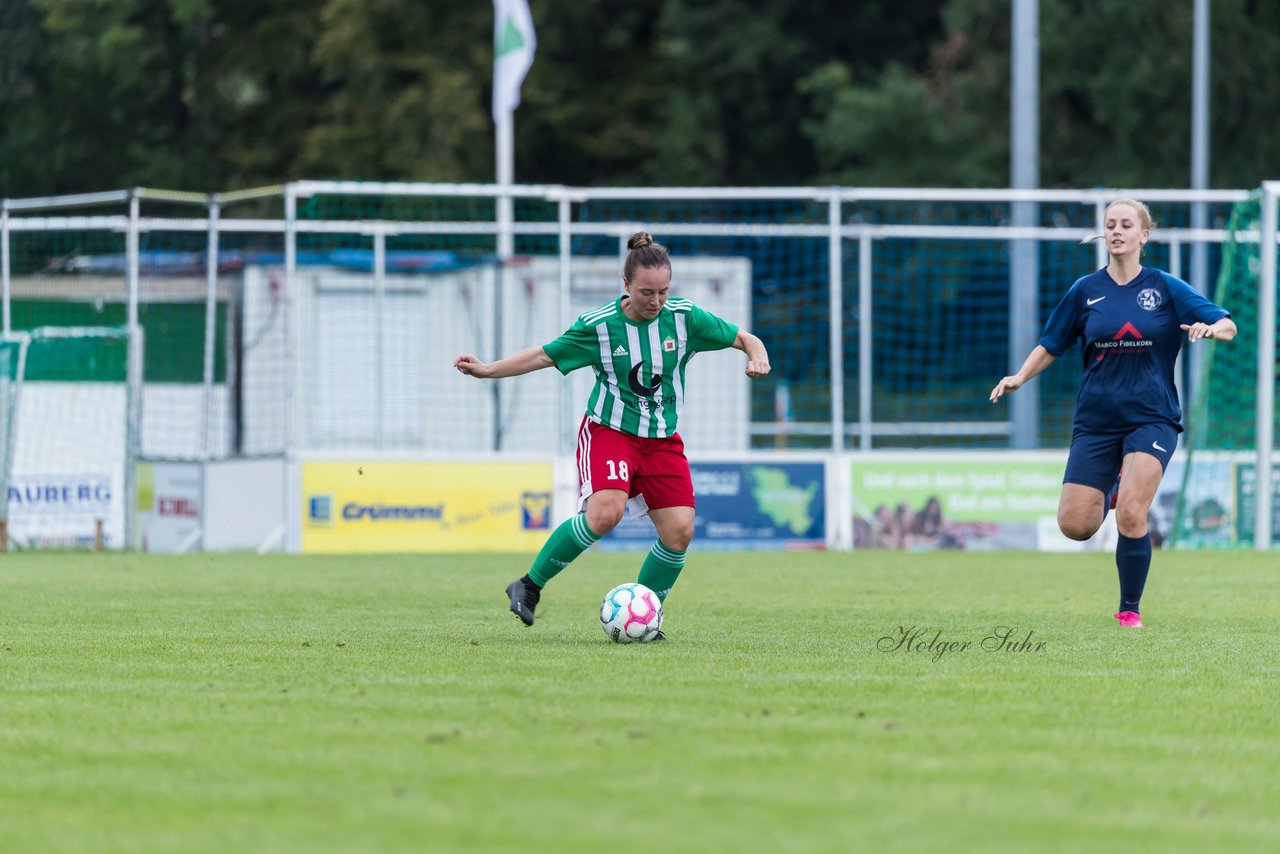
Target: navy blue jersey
1130,336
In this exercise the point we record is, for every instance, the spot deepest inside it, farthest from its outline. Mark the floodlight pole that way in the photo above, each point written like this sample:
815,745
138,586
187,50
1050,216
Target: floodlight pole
1024,262
210,323
4,266
1265,392
1199,164
135,367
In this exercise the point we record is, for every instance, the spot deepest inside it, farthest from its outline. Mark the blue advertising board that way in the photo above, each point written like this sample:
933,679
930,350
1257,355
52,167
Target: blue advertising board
745,506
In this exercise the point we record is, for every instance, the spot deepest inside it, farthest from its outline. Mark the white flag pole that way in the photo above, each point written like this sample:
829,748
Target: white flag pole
505,132
506,173
513,47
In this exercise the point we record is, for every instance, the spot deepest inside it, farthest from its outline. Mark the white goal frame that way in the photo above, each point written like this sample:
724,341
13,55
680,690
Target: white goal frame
131,413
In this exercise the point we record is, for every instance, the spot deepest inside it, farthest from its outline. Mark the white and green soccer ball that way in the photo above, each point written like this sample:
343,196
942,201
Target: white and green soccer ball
631,613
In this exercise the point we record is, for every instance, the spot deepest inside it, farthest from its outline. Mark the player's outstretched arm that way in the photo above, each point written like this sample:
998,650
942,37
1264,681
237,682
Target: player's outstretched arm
757,355
527,360
1039,359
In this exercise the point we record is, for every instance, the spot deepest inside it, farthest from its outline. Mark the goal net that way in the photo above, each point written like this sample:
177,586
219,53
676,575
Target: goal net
67,437
1215,506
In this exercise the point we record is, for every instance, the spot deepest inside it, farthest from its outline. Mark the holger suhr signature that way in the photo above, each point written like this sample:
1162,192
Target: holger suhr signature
924,640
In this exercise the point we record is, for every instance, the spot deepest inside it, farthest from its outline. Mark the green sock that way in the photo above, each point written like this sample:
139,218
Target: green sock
660,569
566,542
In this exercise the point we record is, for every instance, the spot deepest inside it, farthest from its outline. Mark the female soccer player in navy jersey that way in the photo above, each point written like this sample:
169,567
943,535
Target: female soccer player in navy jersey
1130,320
629,453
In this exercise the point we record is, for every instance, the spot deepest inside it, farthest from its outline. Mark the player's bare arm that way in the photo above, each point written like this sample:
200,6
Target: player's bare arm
527,360
757,355
1222,330
1039,359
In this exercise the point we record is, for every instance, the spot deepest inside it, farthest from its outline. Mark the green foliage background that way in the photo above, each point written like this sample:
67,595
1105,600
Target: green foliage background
200,95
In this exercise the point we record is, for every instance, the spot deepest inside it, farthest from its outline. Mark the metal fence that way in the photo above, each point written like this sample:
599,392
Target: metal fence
320,316
888,312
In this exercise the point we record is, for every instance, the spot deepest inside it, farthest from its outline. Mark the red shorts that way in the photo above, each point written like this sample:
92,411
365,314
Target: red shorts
653,472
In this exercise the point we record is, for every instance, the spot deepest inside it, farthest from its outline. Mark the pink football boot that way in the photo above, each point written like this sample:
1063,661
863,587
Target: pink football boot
1129,619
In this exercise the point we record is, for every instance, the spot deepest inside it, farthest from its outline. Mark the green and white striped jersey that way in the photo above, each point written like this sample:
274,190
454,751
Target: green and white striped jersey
639,367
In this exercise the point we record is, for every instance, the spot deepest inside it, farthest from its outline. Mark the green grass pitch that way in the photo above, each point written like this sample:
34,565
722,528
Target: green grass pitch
220,703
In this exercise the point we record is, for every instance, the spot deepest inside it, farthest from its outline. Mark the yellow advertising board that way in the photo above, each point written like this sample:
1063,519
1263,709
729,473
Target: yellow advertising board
425,507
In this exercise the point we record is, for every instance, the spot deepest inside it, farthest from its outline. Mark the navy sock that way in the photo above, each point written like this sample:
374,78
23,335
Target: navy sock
1133,561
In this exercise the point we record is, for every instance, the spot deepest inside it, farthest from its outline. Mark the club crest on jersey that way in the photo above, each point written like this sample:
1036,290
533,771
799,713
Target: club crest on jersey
669,345
1149,299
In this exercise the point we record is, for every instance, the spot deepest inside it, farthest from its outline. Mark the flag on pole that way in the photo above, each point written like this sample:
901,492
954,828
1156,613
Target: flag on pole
513,46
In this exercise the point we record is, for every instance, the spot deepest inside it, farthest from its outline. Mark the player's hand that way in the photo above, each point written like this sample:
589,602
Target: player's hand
1007,384
757,368
471,366
1196,331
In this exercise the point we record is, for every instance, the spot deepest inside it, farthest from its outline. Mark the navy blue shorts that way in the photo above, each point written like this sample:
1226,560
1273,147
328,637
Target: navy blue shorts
1095,458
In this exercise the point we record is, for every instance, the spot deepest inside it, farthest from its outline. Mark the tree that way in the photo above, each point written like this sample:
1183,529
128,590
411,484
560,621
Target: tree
1114,101
694,92
404,92
194,94
100,94
258,91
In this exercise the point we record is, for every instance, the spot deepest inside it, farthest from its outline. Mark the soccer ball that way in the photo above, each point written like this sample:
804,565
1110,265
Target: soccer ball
631,613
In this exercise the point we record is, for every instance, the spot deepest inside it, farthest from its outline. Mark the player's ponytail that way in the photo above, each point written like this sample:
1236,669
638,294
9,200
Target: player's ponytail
643,252
640,240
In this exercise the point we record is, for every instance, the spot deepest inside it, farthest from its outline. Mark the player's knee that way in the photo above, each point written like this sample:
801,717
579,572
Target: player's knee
679,538
604,517
1076,528
1079,533
1131,521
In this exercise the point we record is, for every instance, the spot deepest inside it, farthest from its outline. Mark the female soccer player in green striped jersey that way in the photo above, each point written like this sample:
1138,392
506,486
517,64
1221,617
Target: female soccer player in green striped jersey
629,453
